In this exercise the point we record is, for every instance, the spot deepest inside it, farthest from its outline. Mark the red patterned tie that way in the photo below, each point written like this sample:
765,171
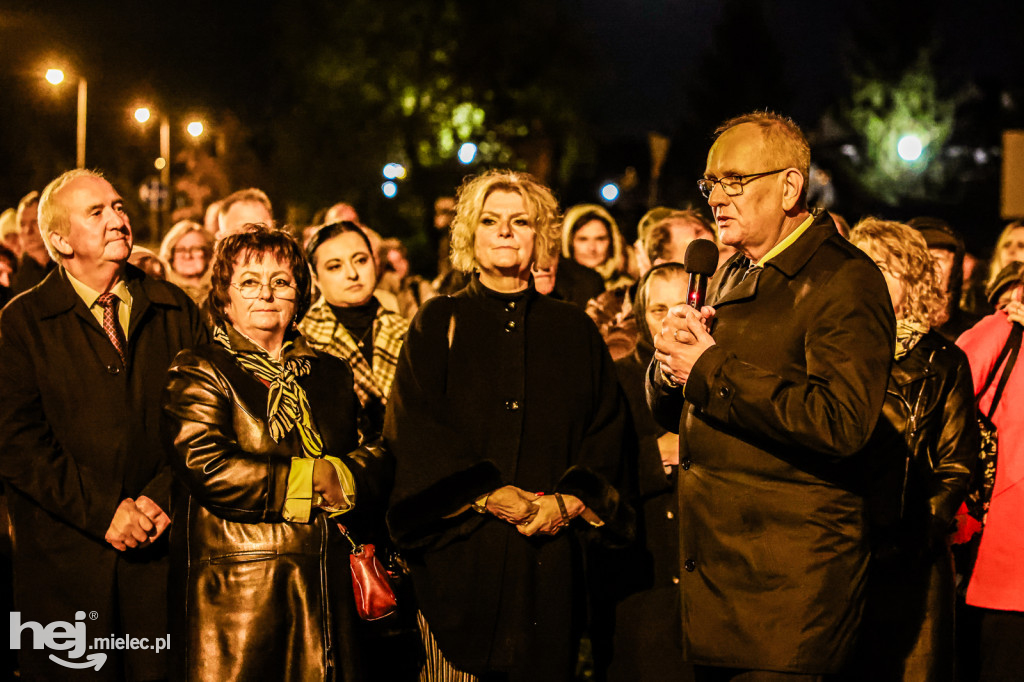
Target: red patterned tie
111,325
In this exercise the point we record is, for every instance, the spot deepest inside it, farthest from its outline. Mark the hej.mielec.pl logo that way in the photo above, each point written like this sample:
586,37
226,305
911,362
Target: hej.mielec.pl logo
71,637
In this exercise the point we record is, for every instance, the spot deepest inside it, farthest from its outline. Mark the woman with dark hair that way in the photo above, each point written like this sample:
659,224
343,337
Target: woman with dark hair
262,433
347,320
926,442
506,421
591,237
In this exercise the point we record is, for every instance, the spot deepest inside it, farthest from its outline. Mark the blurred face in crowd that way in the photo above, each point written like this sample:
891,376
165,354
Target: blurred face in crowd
242,213
504,237
444,211
590,244
683,232
663,293
191,255
261,299
345,271
1013,248
28,223
341,212
398,263
752,221
544,278
944,259
893,279
6,271
99,232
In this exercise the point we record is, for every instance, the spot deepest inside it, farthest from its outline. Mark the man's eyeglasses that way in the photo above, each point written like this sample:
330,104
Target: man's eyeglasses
732,185
280,288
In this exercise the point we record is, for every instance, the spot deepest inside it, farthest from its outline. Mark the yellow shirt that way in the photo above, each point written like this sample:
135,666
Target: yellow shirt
89,296
785,243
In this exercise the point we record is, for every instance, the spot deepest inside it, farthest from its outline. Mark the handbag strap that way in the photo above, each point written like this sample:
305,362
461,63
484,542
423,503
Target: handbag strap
1010,352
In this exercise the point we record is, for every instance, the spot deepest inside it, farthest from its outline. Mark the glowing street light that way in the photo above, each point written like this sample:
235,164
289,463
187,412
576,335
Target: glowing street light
56,77
609,192
909,148
467,152
195,128
394,171
142,114
389,189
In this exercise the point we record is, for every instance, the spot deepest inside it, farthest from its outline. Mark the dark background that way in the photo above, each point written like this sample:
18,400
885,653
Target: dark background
309,99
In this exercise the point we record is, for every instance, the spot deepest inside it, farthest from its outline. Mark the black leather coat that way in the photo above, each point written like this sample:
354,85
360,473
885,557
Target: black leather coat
907,631
254,596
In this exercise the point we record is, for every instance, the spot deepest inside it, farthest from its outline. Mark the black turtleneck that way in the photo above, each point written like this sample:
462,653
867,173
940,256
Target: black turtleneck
358,322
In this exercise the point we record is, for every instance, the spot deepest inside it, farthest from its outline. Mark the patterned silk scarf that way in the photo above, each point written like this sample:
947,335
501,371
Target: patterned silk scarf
287,404
908,333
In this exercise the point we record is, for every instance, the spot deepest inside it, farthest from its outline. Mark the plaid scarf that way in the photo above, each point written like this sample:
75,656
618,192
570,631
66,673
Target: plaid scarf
324,333
287,404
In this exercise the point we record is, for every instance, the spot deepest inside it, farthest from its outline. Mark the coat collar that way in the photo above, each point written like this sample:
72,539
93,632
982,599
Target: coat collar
730,282
56,296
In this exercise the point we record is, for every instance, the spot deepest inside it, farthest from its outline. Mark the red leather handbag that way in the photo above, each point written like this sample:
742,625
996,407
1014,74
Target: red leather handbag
375,598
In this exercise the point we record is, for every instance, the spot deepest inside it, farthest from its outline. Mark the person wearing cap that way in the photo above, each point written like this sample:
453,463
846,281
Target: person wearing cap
947,248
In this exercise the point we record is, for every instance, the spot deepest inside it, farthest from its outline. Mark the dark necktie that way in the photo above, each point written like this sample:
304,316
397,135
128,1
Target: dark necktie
111,325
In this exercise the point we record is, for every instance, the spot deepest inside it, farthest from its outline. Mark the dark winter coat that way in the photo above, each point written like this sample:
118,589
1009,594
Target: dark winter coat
643,579
79,432
907,633
772,520
257,597
526,395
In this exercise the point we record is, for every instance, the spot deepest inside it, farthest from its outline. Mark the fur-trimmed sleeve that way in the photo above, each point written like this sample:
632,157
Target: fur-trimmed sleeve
436,472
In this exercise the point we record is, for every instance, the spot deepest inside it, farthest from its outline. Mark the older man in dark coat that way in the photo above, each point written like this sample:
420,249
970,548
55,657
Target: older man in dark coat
775,391
83,361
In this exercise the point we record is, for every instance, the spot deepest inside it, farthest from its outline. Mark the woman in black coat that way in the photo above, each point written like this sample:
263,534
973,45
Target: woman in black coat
929,417
262,433
506,422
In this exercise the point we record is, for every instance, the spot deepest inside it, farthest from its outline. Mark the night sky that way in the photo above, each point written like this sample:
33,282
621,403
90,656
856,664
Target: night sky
217,55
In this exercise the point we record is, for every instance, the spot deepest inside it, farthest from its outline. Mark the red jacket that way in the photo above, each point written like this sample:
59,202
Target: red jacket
997,582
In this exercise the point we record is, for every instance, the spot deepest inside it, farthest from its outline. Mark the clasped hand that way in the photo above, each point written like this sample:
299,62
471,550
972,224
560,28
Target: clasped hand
683,338
530,513
136,523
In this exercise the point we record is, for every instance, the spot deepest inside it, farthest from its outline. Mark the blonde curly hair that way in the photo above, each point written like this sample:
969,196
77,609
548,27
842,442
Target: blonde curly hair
540,204
907,257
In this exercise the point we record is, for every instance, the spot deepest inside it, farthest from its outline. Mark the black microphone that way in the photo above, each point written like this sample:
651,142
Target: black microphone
701,261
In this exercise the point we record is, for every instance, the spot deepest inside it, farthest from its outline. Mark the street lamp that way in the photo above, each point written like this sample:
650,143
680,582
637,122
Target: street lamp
163,164
56,77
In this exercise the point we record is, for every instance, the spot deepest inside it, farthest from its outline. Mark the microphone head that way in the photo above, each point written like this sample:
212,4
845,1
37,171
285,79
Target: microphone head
701,257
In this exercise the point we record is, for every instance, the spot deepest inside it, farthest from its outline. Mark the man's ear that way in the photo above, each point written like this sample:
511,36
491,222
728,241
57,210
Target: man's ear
792,189
60,244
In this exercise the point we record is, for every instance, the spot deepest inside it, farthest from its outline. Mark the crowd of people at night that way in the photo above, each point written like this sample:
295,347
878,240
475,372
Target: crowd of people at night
569,463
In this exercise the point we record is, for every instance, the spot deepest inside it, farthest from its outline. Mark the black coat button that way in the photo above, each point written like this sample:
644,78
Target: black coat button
510,326
510,306
724,391
113,369
686,465
690,565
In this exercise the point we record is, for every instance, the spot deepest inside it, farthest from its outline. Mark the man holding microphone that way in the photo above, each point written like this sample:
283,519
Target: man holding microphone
775,390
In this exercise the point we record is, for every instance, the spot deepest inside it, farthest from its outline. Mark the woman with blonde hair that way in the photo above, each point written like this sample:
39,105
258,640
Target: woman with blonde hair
187,249
926,443
506,422
1009,248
